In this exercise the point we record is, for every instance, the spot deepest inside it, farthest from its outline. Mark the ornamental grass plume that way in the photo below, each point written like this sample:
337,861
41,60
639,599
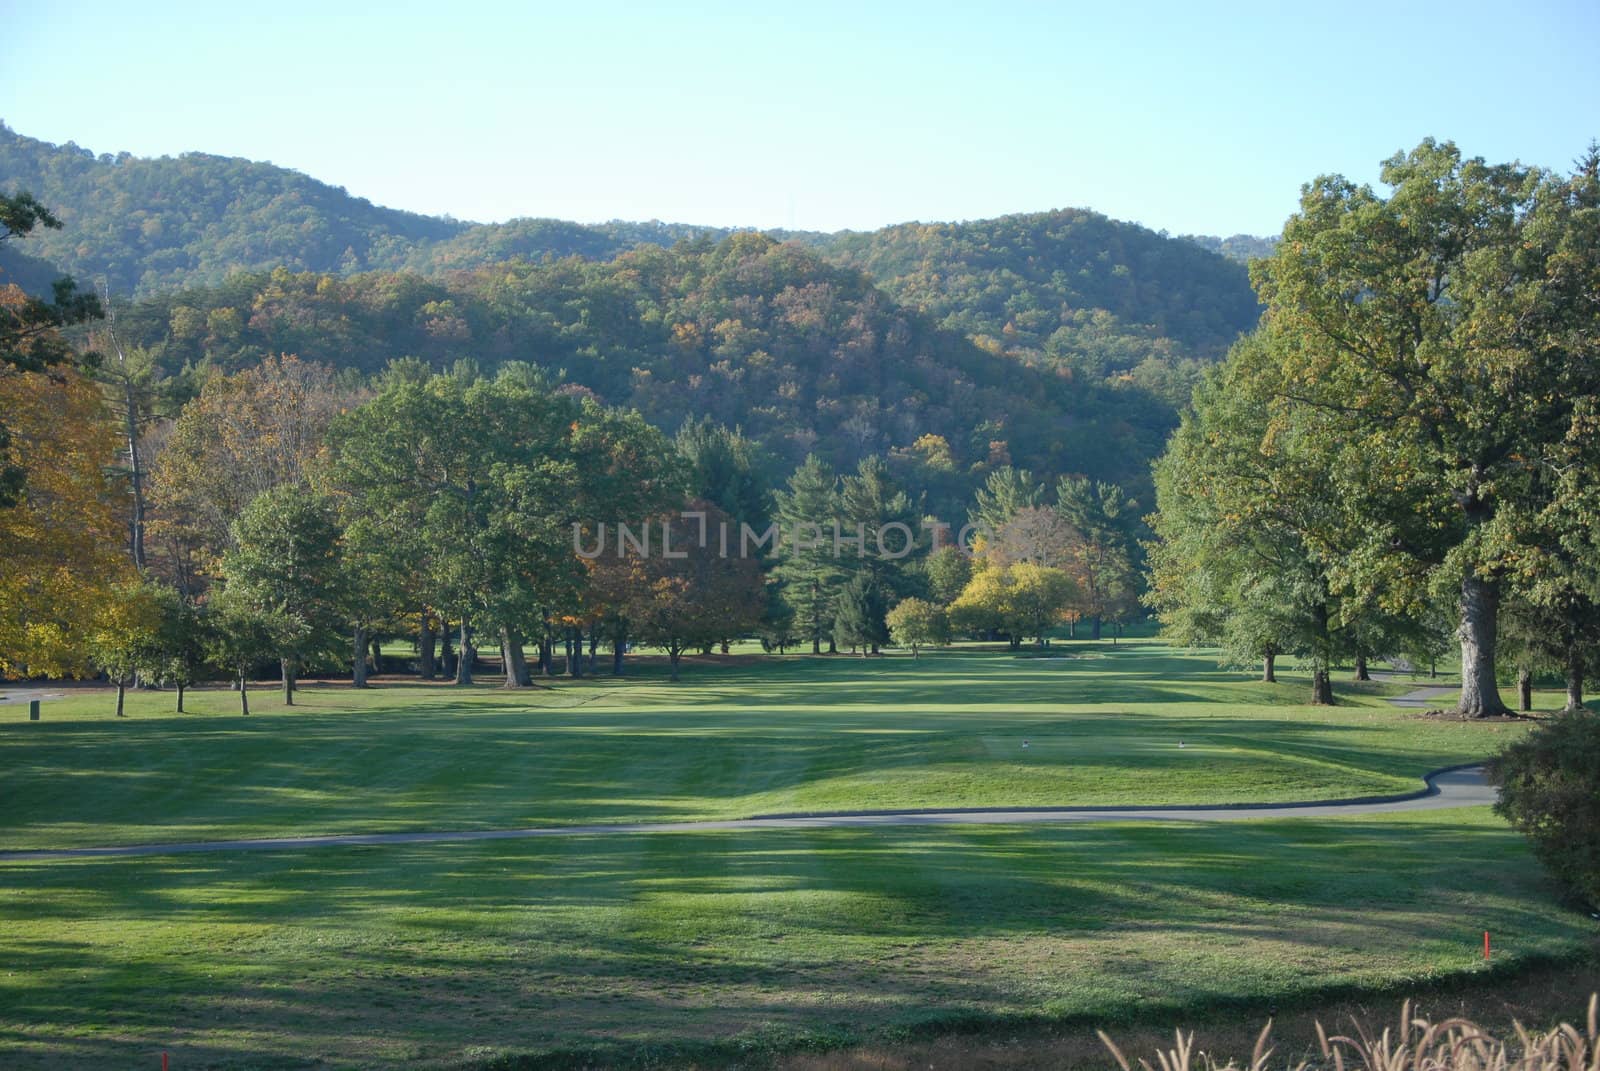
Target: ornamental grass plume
1413,1044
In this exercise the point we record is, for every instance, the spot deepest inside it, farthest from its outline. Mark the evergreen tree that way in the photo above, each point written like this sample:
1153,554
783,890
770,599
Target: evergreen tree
1004,493
1102,553
860,614
808,570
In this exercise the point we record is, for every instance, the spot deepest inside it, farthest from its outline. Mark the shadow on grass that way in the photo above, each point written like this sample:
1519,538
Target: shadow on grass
1103,726
381,957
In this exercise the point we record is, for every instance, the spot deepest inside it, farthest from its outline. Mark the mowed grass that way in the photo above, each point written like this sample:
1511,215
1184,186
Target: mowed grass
728,946
1103,725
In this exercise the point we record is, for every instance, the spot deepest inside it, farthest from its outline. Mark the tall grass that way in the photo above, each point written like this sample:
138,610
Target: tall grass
1413,1044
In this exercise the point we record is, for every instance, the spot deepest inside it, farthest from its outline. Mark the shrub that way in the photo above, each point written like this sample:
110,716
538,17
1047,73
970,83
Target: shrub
1550,790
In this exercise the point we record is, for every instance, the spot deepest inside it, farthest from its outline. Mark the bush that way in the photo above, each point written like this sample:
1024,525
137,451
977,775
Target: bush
1550,790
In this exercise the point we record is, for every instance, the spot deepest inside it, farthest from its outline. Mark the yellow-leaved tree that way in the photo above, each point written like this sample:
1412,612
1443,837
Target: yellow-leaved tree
62,541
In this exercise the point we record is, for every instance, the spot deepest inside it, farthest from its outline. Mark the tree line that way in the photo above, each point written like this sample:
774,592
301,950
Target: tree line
1406,449
177,530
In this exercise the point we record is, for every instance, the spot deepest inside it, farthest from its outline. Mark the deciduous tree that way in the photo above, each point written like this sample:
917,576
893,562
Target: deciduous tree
916,623
286,564
60,541
687,593
1442,331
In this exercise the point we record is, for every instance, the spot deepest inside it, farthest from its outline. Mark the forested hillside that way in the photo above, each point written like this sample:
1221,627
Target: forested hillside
1064,341
1070,287
537,239
1054,284
805,356
1241,247
145,225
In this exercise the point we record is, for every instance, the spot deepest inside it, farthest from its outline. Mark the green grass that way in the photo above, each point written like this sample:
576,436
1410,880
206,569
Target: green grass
418,956
797,734
639,946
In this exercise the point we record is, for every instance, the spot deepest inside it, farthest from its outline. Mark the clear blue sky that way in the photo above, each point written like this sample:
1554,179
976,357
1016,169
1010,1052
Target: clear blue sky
1189,116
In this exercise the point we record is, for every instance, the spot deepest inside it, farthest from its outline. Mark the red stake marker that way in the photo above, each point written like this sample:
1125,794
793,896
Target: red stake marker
163,1062
1485,952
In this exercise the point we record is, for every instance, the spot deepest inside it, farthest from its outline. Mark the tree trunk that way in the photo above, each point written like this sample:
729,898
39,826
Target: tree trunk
619,646
426,669
673,654
816,643
122,691
833,646
1322,646
287,667
594,647
1524,690
513,659
358,661
1574,682
913,650
447,657
244,694
1361,667
180,699
1321,687
464,656
135,474
1269,668
1480,604
1094,624
1072,629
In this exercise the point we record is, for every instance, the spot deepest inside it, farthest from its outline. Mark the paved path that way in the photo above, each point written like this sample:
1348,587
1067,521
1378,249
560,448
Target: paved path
1452,787
23,695
1425,698
1456,786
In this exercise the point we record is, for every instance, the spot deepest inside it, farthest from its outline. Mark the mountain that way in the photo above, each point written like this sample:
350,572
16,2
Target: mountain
1241,247
148,225
145,225
802,354
1070,287
1064,341
1034,285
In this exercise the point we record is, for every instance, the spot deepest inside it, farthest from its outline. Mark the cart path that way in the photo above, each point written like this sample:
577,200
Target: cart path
1453,786
1426,697
1450,787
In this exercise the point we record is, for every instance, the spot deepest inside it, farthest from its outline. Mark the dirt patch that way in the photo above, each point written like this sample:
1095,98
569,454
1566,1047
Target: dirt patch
1456,715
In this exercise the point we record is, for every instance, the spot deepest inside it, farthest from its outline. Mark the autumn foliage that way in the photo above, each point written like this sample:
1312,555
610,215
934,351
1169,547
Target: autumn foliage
62,544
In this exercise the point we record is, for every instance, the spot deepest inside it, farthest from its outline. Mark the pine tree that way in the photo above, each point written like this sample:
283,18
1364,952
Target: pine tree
808,571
